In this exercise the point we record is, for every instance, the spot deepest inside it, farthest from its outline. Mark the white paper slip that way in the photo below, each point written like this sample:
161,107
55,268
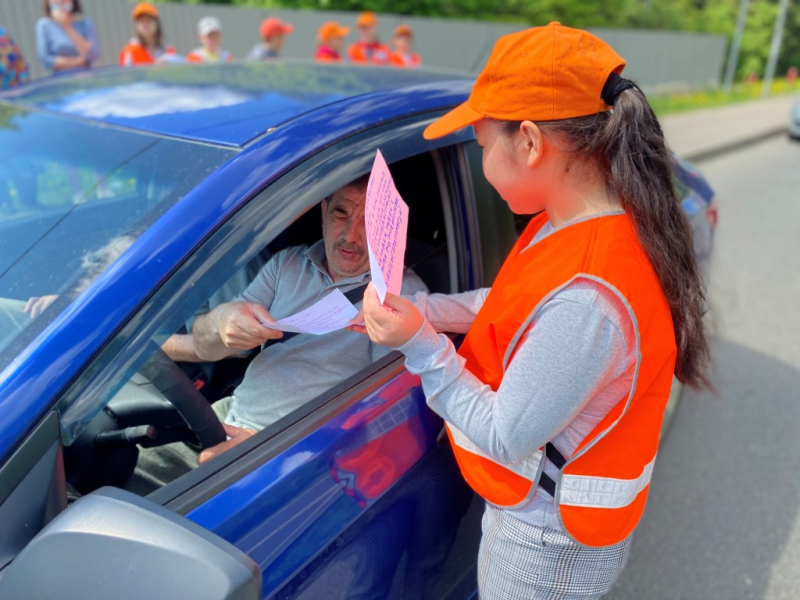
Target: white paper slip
386,219
333,312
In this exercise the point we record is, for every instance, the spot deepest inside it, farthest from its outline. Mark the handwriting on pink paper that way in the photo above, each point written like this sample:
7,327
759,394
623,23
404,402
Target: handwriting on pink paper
386,217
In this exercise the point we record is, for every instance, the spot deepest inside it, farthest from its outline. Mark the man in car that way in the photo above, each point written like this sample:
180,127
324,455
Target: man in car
286,373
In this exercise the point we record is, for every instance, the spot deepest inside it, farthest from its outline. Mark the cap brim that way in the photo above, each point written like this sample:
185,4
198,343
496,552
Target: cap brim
145,13
458,118
286,28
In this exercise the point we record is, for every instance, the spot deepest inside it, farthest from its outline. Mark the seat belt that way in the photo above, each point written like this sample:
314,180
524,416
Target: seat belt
354,296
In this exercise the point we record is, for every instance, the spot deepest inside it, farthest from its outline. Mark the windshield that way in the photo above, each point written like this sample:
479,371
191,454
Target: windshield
73,197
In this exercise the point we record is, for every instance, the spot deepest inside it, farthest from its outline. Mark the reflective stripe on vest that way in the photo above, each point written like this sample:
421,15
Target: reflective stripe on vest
528,468
602,492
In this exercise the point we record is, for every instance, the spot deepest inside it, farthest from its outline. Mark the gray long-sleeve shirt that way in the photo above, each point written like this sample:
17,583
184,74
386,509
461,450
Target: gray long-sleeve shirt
574,363
291,281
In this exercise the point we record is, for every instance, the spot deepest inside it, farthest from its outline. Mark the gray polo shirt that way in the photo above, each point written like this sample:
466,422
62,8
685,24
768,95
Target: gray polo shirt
285,376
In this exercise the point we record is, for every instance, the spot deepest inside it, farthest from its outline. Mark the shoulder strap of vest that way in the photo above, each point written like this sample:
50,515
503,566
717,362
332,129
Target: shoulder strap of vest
558,460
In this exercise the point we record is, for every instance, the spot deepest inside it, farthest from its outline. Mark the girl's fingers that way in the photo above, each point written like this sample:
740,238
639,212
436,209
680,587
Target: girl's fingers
362,329
393,323
358,319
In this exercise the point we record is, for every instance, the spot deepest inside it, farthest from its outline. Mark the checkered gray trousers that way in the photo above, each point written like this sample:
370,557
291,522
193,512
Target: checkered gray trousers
519,561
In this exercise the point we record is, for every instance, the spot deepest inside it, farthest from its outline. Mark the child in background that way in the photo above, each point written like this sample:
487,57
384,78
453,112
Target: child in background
402,55
331,41
273,34
209,31
146,47
368,49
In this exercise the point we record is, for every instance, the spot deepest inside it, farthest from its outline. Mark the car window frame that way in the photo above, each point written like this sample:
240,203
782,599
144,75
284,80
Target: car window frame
479,211
343,162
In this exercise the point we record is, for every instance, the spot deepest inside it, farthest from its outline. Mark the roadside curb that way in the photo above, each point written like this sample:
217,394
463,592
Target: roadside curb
722,149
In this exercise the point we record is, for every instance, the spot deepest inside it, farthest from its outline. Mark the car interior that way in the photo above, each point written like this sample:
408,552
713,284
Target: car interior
175,398
142,402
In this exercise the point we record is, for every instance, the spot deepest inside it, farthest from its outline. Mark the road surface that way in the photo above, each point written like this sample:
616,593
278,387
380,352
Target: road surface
723,518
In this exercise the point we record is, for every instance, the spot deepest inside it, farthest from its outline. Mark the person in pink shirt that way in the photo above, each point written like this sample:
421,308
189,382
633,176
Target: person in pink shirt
331,41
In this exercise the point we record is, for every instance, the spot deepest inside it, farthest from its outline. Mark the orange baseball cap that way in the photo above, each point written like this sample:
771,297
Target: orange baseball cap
403,30
540,74
145,8
330,30
274,26
367,19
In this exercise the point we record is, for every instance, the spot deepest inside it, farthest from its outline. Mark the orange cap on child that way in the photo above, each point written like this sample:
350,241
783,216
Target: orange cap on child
540,74
144,8
330,30
367,19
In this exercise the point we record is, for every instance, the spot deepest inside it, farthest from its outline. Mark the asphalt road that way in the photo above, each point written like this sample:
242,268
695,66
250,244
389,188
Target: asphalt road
723,518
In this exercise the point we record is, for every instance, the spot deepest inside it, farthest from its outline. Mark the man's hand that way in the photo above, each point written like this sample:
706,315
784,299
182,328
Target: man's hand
37,305
231,328
391,324
241,325
236,434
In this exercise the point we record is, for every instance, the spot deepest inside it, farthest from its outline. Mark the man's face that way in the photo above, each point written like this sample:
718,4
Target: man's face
344,233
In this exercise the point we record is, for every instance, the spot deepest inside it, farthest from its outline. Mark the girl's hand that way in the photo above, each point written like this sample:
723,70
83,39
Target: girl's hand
391,324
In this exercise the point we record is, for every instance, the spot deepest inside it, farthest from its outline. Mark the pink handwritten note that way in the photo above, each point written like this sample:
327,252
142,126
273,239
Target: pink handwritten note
386,217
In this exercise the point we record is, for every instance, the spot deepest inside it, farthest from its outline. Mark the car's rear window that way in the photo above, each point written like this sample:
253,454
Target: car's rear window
73,197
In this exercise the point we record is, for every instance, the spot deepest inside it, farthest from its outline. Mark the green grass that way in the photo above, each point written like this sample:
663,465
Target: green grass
671,103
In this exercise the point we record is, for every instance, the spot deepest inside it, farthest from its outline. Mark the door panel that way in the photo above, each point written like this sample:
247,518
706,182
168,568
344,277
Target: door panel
302,502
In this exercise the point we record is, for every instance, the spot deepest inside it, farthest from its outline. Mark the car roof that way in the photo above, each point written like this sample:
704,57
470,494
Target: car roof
229,104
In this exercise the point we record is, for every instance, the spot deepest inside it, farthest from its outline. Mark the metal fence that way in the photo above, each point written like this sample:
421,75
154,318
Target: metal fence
656,59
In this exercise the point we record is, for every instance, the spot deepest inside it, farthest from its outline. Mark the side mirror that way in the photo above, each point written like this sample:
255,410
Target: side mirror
114,544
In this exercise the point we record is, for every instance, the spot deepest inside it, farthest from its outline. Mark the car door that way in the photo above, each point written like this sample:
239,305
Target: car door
354,494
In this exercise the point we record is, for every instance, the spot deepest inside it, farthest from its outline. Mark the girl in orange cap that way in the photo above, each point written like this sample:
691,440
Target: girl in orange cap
331,41
146,46
402,55
554,401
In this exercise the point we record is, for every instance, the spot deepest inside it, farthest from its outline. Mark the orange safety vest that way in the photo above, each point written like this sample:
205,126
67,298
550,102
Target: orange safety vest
411,61
136,54
600,493
375,53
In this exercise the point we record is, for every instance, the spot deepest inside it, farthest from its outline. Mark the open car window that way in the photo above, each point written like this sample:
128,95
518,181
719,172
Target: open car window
284,216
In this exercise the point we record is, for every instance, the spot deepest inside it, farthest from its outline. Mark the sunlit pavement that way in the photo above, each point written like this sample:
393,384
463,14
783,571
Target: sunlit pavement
723,519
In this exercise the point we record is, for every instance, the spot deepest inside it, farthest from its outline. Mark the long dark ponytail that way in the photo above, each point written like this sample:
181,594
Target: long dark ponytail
628,147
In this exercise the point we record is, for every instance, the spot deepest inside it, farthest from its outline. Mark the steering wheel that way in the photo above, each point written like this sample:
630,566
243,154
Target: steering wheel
176,387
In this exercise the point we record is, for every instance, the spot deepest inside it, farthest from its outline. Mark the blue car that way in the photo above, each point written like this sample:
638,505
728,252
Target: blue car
130,201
